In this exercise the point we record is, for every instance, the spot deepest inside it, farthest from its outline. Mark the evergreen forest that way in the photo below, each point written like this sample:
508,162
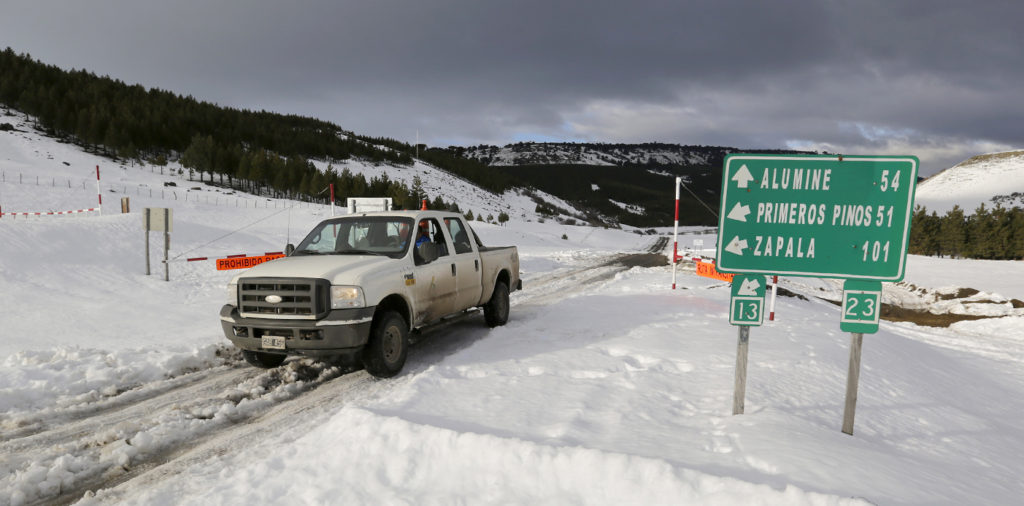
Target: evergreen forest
990,234
260,151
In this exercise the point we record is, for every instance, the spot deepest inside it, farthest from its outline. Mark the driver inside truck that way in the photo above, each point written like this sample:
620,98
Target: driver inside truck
424,233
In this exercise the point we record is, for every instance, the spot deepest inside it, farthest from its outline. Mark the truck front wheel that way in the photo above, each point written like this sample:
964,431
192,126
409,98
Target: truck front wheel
263,360
496,309
385,352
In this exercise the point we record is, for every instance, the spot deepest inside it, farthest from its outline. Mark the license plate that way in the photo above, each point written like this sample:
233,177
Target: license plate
273,342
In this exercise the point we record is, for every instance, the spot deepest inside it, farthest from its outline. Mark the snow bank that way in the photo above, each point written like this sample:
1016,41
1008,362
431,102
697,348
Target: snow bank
35,384
395,461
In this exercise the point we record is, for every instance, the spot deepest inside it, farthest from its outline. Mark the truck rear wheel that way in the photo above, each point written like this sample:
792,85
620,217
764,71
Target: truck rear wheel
385,352
263,360
496,309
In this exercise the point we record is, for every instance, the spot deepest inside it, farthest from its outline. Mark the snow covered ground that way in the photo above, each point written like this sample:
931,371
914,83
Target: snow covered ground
605,387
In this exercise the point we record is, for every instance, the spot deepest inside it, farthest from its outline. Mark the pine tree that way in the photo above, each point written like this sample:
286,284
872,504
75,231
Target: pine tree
199,155
980,228
952,232
1017,228
417,189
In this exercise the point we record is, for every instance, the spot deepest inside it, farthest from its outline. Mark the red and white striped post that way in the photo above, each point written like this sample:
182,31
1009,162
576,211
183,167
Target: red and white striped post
99,194
675,242
332,200
771,304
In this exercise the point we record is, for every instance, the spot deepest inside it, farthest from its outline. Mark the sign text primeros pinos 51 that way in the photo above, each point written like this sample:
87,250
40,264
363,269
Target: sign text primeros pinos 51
819,215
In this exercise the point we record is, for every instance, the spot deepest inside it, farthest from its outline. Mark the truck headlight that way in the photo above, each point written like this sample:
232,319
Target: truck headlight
232,294
343,297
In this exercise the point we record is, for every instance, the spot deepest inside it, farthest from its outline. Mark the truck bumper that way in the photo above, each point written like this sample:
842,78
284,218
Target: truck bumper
342,331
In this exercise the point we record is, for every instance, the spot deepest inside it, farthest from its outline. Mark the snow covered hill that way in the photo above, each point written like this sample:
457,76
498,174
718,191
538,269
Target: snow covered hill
527,153
25,153
605,387
984,179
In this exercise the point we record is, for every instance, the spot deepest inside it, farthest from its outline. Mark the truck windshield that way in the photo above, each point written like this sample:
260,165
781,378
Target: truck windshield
358,235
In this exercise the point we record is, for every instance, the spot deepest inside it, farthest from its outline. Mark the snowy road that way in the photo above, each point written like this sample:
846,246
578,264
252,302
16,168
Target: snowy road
116,440
162,428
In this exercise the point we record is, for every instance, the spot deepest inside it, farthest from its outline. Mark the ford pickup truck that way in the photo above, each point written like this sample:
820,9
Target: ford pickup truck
357,285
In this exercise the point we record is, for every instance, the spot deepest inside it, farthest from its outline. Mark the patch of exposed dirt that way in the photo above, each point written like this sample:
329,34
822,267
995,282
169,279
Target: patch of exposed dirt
786,293
640,260
920,316
962,293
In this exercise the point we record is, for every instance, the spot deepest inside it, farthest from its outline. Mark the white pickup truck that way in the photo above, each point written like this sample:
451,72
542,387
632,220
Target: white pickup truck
358,284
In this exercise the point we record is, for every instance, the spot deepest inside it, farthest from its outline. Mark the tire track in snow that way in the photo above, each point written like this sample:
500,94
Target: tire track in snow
575,280
22,428
114,443
323,400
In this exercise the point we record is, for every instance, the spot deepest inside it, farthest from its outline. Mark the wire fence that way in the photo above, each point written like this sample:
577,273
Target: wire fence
167,192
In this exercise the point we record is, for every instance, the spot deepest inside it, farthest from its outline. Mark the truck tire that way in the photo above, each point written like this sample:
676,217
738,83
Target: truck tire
263,360
496,309
385,352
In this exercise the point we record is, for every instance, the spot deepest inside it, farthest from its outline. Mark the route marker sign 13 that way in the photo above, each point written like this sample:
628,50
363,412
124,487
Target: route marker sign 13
746,307
817,215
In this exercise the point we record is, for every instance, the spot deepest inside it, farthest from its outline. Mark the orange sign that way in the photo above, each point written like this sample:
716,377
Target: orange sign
707,269
224,264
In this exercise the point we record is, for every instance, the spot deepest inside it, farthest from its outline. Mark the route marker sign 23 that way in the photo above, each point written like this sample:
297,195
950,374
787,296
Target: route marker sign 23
862,306
817,215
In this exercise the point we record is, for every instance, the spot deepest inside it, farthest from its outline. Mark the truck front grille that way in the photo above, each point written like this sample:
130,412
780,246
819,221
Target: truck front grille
299,298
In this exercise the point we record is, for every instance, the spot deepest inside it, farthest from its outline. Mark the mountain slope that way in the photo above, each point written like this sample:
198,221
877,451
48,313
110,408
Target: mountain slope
546,153
629,183
991,178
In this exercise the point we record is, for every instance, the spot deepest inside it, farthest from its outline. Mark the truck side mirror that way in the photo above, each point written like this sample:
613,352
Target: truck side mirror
289,249
426,253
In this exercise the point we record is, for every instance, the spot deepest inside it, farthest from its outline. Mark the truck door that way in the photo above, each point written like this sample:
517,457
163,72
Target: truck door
435,288
466,265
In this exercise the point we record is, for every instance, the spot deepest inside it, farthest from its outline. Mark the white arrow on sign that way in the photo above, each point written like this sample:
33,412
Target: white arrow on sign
749,287
739,212
742,177
736,246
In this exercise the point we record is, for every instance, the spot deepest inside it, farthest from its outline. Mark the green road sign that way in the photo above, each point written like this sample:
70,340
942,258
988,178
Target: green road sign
746,307
818,215
862,306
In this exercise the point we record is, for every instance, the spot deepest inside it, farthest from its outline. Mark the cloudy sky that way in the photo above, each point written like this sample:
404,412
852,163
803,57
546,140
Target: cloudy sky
939,79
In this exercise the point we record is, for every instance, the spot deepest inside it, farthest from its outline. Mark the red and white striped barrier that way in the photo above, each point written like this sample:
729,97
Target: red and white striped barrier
51,212
98,208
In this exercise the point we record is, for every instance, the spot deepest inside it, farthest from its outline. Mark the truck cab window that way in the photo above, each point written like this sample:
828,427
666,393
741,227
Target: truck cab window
459,236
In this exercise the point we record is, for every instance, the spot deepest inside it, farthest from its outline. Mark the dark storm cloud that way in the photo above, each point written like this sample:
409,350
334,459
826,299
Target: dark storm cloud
934,78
